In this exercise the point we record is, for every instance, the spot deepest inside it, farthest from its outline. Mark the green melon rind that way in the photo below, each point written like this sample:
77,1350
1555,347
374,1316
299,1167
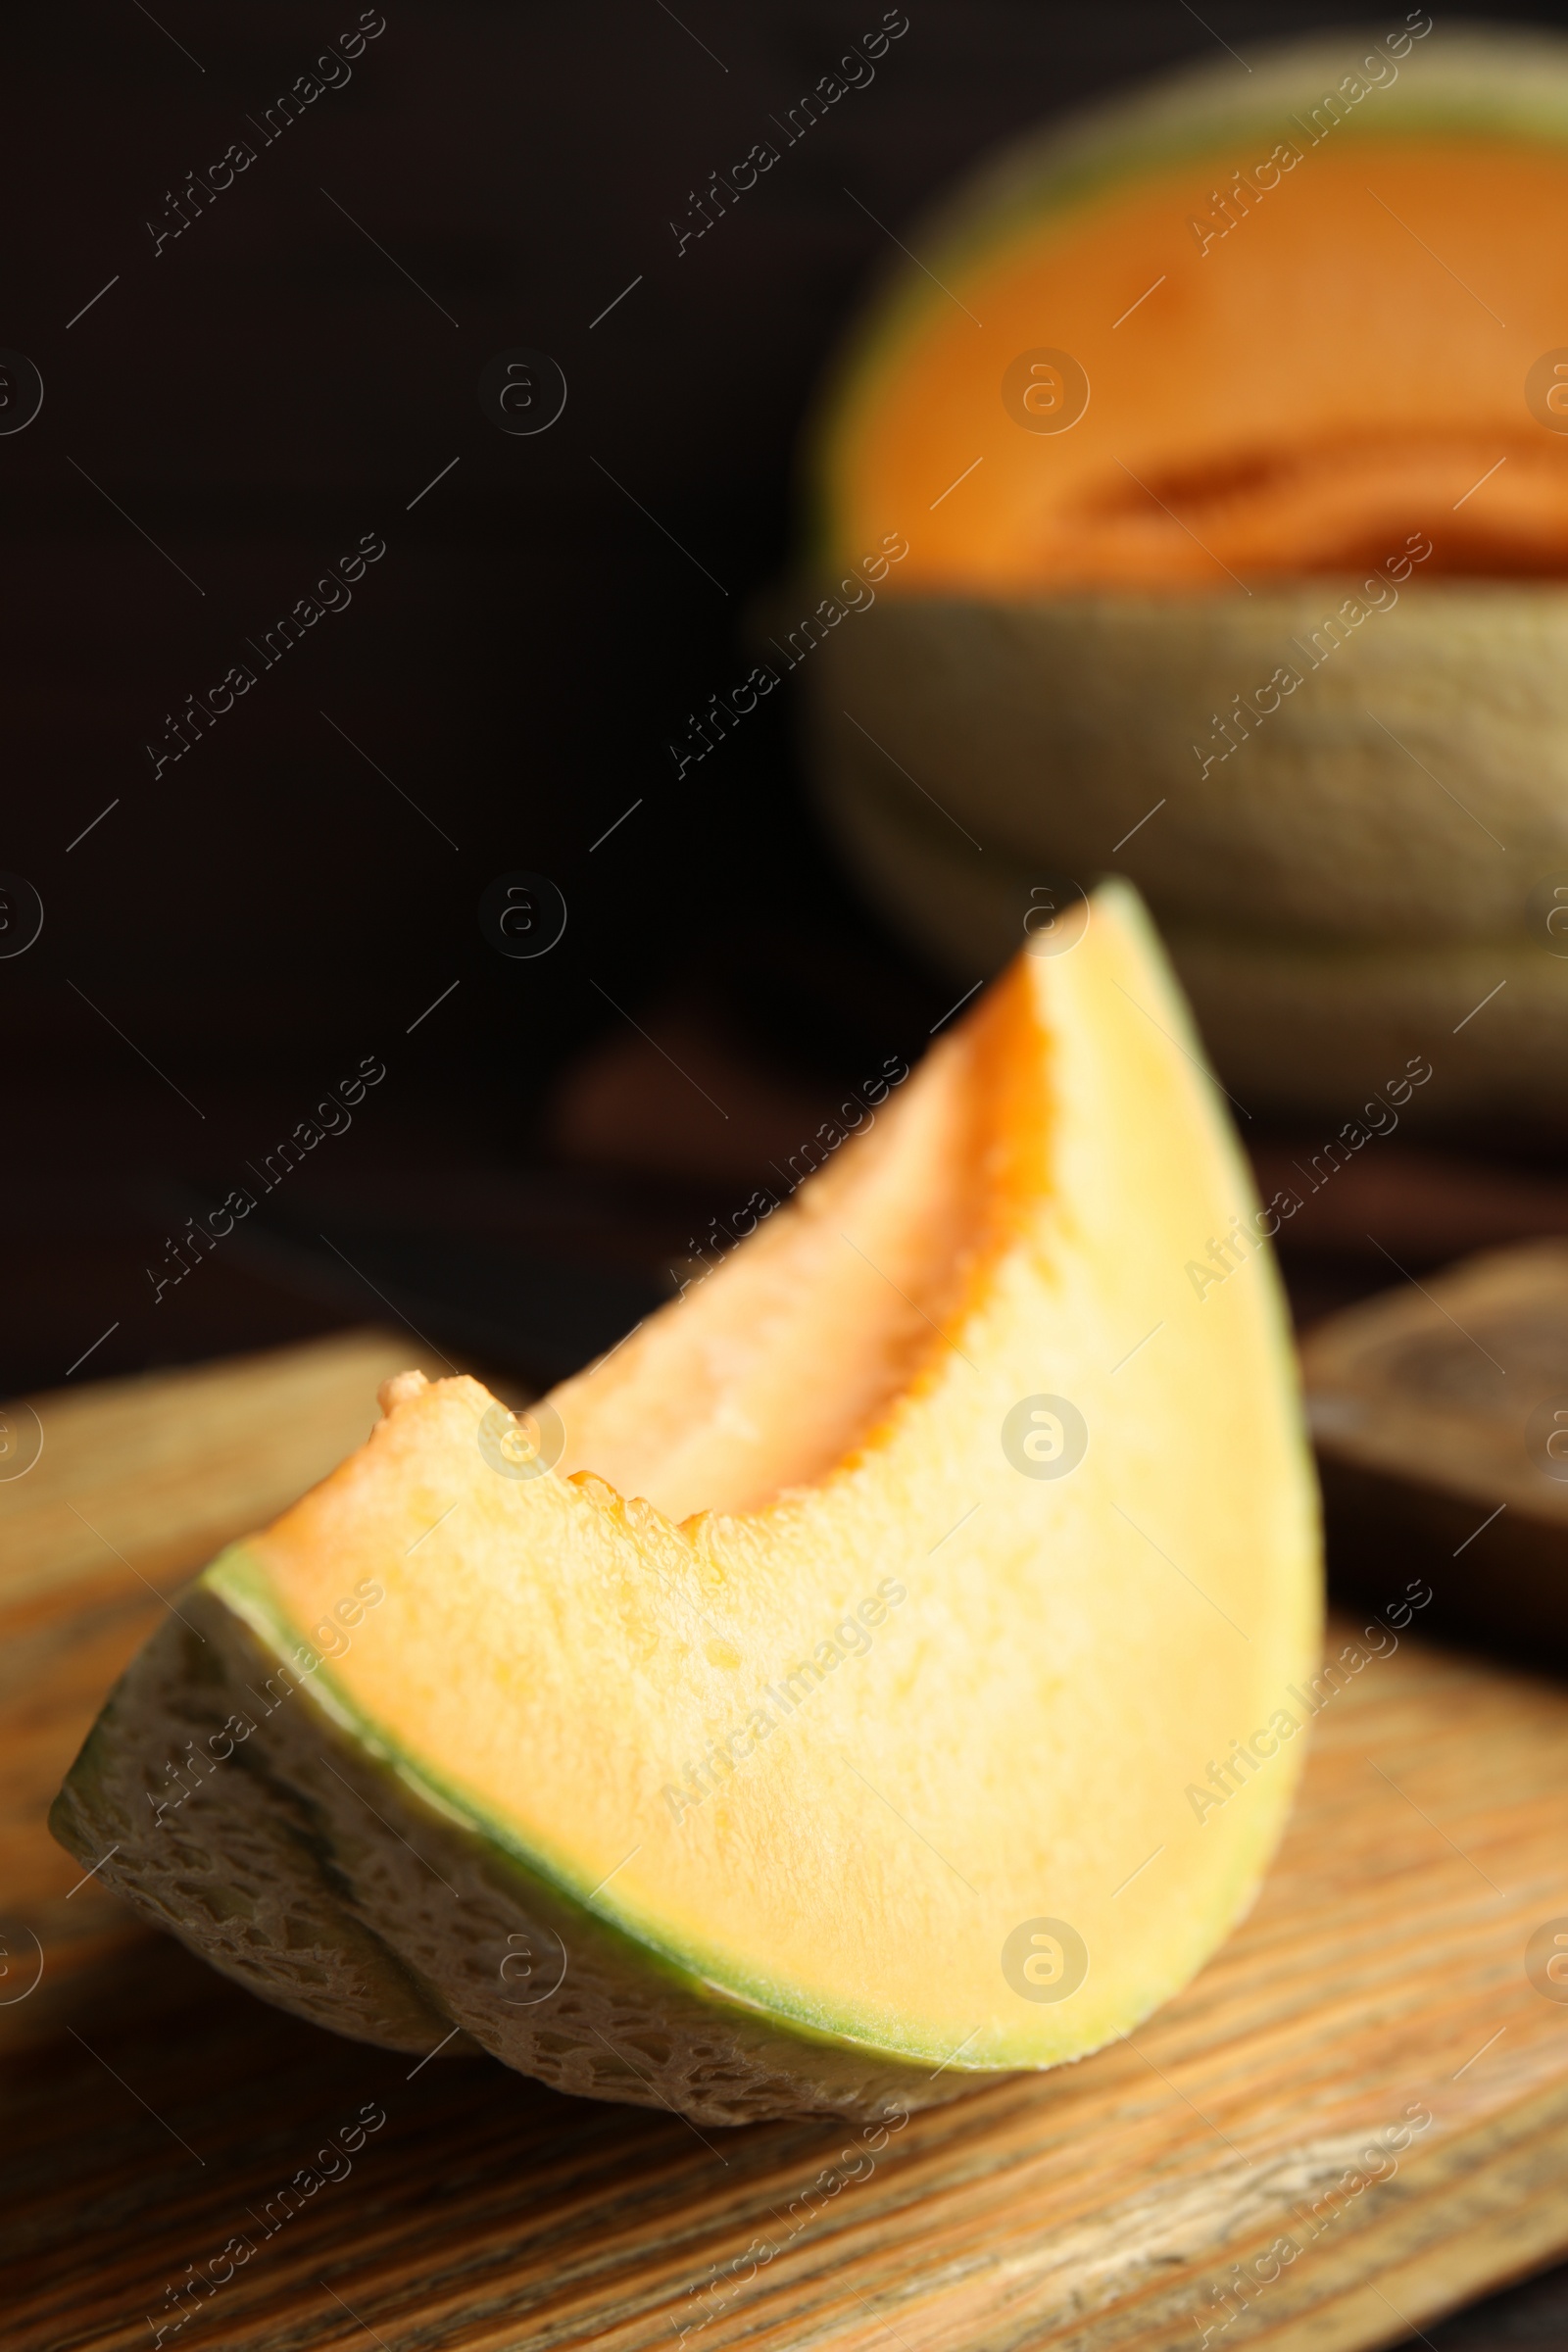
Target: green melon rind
334,1914
243,1581
1414,787
820,2040
1471,84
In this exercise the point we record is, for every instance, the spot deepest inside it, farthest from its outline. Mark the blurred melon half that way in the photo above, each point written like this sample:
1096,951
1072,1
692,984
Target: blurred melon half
1225,431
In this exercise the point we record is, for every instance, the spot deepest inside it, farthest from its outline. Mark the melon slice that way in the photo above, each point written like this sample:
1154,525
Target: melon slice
859,1681
1276,624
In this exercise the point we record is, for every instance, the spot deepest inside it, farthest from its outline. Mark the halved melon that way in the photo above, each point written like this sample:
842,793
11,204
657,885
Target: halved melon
1230,328
1256,589
858,1682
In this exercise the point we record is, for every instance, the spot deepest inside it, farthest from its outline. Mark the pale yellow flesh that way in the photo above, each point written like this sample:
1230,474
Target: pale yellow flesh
1018,1732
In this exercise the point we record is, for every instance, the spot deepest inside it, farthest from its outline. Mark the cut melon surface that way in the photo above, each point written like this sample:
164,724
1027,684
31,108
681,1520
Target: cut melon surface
1298,318
832,1696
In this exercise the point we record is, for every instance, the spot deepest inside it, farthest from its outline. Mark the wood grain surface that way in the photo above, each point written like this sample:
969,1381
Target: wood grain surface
155,2112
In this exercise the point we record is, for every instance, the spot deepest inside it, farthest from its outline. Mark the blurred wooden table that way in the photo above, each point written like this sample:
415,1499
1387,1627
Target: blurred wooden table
153,2109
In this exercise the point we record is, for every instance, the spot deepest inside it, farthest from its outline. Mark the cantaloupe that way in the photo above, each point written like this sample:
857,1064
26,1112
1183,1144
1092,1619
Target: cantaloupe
874,1674
1260,599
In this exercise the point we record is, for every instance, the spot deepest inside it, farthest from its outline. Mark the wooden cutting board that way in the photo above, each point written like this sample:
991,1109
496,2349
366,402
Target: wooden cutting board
155,2111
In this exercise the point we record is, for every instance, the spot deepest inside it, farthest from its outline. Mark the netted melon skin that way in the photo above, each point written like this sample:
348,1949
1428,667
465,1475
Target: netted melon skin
1076,735
1293,1023
308,1868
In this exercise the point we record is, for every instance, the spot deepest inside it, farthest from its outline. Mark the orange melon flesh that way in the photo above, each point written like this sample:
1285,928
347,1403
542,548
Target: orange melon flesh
1302,394
791,1693
789,1358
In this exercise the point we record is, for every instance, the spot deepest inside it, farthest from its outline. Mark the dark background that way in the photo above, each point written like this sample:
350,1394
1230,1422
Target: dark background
237,932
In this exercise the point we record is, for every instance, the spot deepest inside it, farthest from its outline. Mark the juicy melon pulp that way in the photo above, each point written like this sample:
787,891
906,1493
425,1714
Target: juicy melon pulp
783,1362
1327,376
793,1696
